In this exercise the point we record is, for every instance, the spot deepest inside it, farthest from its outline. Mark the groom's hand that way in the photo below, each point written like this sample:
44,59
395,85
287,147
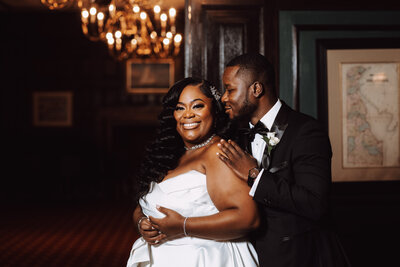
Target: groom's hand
236,158
171,225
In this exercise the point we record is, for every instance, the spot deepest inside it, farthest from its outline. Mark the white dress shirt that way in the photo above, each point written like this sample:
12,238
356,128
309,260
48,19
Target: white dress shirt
258,144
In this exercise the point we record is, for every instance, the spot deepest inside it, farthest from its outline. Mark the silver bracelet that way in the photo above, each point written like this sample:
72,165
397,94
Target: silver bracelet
184,226
140,220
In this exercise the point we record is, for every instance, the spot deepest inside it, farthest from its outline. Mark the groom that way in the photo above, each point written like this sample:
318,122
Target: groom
287,165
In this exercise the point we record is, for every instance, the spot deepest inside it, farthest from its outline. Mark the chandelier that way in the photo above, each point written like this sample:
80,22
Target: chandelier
130,28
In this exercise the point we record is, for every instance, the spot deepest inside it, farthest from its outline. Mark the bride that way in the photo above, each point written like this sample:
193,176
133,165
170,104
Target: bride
180,173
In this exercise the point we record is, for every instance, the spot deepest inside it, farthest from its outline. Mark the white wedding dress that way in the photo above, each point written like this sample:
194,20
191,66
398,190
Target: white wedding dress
187,194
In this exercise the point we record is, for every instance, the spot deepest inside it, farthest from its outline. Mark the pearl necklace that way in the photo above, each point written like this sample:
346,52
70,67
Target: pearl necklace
200,145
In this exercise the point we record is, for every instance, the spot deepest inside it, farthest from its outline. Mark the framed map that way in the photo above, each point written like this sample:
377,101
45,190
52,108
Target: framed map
370,97
363,107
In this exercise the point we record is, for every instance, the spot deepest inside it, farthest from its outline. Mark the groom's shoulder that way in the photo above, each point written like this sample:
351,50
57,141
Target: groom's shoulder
300,119
297,120
294,115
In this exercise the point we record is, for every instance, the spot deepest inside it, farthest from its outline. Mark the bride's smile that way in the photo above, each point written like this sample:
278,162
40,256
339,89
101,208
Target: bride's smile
190,126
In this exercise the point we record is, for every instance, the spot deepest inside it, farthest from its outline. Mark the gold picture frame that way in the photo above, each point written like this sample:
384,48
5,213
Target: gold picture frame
363,113
149,76
52,109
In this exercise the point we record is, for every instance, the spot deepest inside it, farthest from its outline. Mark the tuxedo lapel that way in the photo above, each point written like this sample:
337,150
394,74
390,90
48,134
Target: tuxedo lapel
281,120
247,144
279,126
244,141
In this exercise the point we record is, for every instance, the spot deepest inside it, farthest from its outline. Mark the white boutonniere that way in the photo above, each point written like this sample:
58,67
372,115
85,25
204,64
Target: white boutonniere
271,141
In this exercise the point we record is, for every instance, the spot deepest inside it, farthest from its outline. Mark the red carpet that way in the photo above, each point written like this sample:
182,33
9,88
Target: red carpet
60,235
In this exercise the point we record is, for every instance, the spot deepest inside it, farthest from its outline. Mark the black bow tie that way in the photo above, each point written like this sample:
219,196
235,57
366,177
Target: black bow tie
251,132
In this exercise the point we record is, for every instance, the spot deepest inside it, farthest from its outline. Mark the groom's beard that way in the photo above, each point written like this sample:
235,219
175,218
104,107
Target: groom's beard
245,111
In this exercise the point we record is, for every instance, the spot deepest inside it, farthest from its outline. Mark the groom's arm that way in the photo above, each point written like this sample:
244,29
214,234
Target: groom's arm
305,191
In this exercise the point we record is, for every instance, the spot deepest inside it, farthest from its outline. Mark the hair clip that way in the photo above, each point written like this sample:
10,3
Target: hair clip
215,93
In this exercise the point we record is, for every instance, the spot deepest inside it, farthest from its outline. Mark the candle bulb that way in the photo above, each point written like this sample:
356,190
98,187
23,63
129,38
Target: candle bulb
157,10
110,42
111,10
100,20
153,36
177,43
118,34
172,15
85,16
166,41
93,12
177,40
118,40
163,18
143,28
109,35
143,16
166,44
136,10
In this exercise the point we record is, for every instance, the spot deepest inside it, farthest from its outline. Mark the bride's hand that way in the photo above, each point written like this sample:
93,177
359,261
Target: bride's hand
149,233
171,225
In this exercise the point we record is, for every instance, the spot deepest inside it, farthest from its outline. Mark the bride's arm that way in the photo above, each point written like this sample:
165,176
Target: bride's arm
238,212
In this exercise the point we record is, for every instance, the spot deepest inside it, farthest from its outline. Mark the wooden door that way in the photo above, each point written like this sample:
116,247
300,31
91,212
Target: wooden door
217,31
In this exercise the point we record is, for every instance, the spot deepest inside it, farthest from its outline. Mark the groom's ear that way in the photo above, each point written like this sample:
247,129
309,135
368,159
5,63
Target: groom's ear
258,89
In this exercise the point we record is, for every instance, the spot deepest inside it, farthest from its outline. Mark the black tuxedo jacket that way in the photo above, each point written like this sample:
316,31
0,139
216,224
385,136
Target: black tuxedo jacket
293,196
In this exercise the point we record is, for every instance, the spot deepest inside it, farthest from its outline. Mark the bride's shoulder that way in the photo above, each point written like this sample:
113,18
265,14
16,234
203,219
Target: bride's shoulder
213,147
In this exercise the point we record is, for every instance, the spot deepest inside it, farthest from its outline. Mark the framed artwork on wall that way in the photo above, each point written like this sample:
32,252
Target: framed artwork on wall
304,38
52,109
149,76
363,113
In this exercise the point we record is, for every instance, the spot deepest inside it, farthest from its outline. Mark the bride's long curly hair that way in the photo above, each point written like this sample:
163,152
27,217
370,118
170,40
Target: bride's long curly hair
164,152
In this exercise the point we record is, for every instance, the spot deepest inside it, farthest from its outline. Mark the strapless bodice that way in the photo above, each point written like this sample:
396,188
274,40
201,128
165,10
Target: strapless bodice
185,193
